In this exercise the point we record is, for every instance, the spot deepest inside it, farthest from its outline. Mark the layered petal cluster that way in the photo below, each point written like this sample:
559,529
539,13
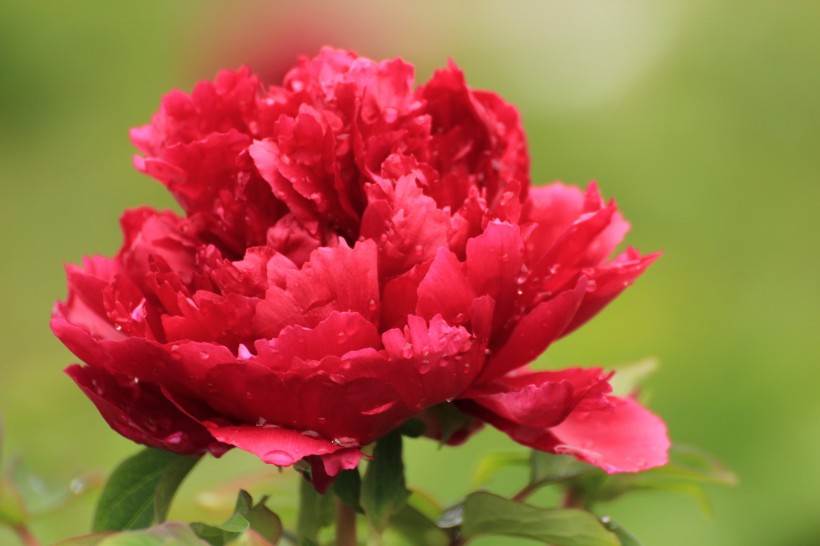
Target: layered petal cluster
353,251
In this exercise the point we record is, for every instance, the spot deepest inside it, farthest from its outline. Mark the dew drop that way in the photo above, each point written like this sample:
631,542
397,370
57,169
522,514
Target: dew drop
279,458
592,286
174,438
459,318
371,305
407,350
261,422
118,327
310,433
346,442
77,486
204,355
419,250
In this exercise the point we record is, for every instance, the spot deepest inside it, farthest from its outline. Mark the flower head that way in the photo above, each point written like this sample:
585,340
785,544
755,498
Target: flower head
353,251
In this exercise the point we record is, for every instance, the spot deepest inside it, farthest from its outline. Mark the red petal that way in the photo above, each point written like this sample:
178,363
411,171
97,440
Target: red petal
623,438
279,446
141,413
535,332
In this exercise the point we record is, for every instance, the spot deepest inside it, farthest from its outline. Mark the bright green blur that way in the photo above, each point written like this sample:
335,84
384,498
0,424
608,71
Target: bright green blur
701,117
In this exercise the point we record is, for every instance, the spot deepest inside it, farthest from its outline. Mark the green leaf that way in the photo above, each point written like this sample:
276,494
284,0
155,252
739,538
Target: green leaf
246,516
626,538
348,487
629,377
383,490
315,512
688,469
491,464
417,529
139,492
167,534
549,468
219,535
261,519
488,514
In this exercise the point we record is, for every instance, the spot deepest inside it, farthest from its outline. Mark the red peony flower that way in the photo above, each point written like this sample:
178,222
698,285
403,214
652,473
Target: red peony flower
353,252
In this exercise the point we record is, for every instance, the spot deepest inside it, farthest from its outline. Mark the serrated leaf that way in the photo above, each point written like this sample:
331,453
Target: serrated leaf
383,489
488,514
629,377
139,492
167,534
492,463
315,512
626,538
348,487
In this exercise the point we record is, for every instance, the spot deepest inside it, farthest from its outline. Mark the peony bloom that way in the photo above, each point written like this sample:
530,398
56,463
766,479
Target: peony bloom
353,251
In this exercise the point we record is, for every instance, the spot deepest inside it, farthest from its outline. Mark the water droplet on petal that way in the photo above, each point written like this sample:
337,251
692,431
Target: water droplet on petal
419,250
346,442
118,327
174,438
380,409
279,458
310,433
261,422
371,305
204,355
592,286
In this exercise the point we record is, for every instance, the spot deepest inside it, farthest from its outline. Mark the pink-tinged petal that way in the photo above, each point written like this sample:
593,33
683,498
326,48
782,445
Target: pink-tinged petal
607,282
141,413
439,360
539,399
550,211
337,335
267,158
406,224
400,296
325,468
494,261
274,445
334,279
535,332
445,290
626,437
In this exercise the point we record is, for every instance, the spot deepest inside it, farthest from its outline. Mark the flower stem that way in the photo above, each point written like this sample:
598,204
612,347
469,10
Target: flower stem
25,536
345,524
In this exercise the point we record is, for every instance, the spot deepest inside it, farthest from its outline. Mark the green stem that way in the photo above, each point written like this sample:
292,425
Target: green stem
345,524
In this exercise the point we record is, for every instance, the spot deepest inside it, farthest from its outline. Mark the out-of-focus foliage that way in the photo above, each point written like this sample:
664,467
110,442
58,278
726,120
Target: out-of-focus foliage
701,117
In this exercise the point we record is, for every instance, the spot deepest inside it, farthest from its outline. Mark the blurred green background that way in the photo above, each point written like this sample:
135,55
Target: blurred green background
701,116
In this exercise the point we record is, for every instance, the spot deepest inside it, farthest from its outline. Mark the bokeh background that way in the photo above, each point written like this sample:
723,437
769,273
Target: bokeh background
701,116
